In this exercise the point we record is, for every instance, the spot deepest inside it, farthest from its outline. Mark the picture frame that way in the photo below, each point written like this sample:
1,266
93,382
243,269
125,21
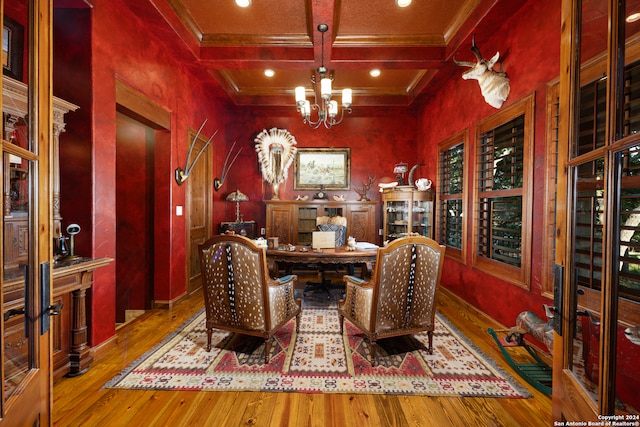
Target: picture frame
12,47
322,169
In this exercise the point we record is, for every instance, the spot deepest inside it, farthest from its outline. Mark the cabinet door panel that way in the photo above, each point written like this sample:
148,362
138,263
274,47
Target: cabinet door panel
361,223
279,223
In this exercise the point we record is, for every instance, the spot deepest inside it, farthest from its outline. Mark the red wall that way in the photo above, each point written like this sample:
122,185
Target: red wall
529,44
72,82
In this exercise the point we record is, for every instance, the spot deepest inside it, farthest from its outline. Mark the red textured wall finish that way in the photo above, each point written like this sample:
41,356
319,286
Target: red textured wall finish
529,43
72,82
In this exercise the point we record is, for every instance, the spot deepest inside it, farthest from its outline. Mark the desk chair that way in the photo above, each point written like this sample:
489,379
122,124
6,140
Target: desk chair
338,224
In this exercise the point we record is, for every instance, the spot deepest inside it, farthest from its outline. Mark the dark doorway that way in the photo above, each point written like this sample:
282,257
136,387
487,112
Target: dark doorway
135,144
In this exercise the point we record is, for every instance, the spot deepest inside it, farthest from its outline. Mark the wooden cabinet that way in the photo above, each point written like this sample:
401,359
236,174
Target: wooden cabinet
405,210
72,280
294,221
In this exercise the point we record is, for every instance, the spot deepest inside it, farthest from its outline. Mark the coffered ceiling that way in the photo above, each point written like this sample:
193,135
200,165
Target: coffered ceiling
409,45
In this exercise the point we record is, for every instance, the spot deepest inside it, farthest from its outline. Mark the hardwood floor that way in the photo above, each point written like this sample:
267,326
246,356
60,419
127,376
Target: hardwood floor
80,401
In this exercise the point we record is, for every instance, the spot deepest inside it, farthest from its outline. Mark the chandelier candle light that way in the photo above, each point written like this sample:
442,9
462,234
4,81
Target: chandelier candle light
327,108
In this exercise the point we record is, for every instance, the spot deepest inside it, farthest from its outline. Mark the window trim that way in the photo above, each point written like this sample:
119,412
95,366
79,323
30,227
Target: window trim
550,191
519,276
460,138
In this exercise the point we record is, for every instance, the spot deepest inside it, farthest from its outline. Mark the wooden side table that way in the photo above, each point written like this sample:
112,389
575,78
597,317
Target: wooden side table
246,228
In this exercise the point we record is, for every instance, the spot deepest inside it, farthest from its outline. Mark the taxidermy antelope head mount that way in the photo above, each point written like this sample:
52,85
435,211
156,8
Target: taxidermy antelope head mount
181,175
494,85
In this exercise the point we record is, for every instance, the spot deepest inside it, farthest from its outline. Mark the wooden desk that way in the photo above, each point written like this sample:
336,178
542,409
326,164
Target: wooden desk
306,255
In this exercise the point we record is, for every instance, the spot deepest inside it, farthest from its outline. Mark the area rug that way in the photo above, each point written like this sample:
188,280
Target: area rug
319,359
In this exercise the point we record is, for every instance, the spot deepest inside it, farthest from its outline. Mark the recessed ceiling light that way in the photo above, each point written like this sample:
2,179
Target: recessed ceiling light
403,3
269,72
243,3
374,73
633,17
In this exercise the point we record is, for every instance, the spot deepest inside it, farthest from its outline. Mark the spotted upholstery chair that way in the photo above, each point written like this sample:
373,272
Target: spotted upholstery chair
239,295
400,297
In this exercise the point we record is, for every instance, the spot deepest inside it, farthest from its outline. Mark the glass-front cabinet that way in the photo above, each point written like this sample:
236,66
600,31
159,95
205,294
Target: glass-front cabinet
406,210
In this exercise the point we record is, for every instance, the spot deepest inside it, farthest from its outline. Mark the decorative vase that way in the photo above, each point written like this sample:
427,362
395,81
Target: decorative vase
275,191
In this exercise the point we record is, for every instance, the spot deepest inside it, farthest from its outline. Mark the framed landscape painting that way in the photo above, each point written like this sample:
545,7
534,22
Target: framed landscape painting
322,169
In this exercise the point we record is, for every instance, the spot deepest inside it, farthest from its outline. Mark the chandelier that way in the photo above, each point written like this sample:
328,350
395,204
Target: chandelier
328,112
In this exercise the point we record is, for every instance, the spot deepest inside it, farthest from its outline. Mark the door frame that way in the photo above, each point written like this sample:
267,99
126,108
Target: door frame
33,405
570,400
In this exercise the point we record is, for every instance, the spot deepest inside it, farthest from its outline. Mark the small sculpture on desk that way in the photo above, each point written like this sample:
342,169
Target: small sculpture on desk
351,243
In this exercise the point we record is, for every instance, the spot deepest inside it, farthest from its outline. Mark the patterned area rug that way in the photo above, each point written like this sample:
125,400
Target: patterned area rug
319,360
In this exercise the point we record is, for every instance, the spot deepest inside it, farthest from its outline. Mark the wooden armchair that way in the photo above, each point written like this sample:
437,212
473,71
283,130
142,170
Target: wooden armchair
239,295
400,297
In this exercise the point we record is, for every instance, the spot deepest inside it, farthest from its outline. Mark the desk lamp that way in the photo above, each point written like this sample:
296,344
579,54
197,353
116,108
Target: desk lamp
400,169
237,197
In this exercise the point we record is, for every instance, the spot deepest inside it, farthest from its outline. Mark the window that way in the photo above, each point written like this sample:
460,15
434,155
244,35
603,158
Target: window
503,201
452,195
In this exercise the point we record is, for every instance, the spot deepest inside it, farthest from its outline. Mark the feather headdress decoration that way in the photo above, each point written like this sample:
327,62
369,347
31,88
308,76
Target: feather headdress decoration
276,150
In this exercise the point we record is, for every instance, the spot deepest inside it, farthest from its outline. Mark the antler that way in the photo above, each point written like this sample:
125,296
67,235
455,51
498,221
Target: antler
217,183
181,175
475,51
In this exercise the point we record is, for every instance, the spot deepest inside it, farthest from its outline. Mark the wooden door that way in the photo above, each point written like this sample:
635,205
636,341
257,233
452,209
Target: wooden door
199,194
26,360
597,293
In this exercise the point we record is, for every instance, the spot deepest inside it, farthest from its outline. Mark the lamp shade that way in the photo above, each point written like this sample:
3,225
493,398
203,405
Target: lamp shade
325,88
347,95
333,108
300,95
306,109
237,196
400,168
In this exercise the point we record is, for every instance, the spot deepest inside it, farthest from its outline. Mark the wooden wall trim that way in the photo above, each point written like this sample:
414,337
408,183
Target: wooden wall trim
141,108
